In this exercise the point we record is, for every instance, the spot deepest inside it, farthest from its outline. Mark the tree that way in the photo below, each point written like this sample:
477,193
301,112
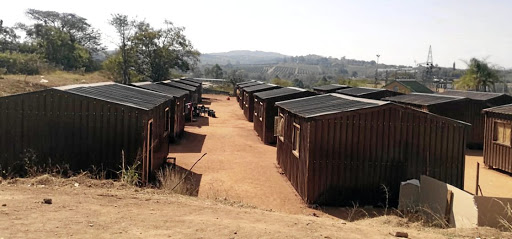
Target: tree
354,74
479,76
152,53
215,72
8,38
298,83
64,39
123,28
235,76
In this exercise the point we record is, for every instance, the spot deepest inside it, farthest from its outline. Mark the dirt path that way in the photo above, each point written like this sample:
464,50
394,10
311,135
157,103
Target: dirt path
492,182
103,209
238,165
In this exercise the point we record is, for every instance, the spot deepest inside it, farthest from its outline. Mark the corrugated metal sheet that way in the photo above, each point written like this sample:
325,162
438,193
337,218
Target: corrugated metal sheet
503,109
264,118
331,87
248,99
175,92
179,85
192,80
357,91
258,88
497,155
474,95
189,82
122,94
278,92
85,126
415,86
423,99
327,104
349,156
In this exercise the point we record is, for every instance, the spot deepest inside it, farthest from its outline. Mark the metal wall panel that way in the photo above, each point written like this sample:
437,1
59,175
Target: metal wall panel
352,155
496,155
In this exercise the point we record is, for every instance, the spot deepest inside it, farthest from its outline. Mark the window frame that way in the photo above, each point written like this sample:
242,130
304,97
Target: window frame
296,139
167,115
495,138
281,126
260,111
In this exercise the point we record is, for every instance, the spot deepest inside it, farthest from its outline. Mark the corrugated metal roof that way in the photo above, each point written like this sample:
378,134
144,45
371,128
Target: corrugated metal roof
474,95
161,88
245,82
327,104
357,91
249,84
121,94
415,86
278,92
178,85
423,99
189,82
331,87
502,109
261,87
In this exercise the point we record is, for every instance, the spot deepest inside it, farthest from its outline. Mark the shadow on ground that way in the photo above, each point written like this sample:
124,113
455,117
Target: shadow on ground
190,143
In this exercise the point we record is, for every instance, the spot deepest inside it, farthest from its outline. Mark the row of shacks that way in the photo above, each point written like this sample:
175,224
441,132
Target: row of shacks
102,126
341,144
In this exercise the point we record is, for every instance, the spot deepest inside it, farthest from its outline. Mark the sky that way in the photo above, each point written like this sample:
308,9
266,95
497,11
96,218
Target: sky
399,31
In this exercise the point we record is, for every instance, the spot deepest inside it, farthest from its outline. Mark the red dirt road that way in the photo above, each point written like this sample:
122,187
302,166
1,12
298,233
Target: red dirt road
238,165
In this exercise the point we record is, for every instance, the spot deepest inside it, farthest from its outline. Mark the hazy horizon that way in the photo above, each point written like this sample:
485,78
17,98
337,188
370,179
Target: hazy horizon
400,31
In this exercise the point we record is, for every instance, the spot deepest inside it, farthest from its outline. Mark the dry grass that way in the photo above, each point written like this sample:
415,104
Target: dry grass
15,84
176,181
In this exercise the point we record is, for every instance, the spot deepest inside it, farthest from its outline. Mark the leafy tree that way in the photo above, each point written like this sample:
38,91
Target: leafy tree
354,74
8,38
298,83
235,76
64,39
214,72
124,29
479,76
152,53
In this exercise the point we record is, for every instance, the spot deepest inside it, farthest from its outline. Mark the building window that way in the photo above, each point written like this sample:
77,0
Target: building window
395,89
502,132
261,111
279,127
167,119
296,139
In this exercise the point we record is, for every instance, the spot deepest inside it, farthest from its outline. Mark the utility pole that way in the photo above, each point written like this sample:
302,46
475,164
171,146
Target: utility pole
377,71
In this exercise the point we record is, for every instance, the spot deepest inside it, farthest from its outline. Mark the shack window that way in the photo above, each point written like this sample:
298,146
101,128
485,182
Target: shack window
296,139
279,127
256,109
261,111
167,119
502,132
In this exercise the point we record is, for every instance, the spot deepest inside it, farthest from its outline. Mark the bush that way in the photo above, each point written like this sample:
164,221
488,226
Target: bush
19,63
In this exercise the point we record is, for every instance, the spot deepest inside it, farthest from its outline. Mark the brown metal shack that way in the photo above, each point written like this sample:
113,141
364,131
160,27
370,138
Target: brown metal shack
248,100
86,126
177,112
325,89
337,149
368,93
195,83
497,139
265,110
454,107
241,94
478,102
237,88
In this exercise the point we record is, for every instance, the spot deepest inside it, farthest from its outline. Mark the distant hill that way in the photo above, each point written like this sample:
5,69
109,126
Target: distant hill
241,57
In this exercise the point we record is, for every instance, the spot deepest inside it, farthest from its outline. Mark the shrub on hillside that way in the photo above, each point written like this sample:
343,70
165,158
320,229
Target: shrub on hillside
19,63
